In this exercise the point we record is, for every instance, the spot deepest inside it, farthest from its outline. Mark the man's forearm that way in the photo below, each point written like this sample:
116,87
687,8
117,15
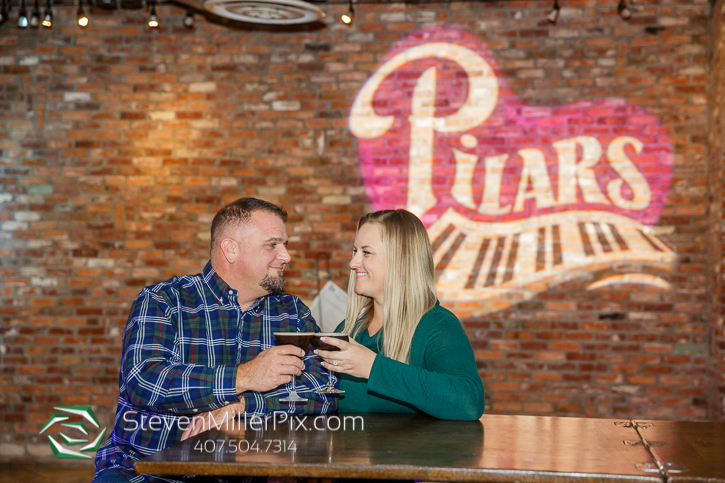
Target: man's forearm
242,379
180,388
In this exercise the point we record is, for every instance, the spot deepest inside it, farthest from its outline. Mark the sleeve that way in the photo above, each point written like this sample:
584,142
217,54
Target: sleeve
448,386
313,378
151,372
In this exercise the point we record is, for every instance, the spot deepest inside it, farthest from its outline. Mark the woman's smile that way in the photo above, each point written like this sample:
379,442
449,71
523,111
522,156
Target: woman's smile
368,261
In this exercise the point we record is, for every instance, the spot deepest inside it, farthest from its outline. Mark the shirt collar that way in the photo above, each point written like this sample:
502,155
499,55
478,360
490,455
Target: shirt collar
217,286
220,289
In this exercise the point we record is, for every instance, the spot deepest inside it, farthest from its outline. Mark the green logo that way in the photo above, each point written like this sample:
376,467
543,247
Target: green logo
84,412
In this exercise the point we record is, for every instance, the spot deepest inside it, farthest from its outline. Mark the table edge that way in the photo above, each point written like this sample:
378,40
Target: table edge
382,472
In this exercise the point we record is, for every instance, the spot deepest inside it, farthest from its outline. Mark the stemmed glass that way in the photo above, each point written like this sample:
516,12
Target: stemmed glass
318,344
297,339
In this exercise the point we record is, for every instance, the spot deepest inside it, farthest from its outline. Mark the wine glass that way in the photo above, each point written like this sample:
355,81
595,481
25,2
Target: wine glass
318,344
297,339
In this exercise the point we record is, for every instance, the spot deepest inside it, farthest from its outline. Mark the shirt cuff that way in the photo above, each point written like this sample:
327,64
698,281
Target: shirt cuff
225,384
254,403
377,367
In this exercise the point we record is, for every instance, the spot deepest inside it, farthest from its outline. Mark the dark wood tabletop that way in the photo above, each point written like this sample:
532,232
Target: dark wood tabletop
687,452
406,446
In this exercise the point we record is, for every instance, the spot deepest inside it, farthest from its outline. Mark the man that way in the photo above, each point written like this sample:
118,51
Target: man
203,344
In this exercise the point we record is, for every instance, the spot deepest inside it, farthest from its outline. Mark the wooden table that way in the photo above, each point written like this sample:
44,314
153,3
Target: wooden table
687,452
405,446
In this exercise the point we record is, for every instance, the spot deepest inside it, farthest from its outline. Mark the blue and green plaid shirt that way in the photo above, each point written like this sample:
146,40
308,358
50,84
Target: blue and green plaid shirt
184,339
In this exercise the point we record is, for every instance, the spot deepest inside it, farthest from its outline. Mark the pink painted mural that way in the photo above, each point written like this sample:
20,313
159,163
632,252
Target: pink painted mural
514,197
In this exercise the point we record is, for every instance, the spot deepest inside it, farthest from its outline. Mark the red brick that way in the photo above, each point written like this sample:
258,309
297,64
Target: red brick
123,195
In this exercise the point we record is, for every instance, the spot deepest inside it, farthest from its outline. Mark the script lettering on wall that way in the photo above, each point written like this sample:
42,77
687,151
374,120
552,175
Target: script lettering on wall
514,197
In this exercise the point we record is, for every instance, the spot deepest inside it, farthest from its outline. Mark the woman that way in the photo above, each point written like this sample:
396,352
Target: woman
406,352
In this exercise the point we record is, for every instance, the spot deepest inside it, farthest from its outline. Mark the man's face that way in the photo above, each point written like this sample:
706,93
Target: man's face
263,254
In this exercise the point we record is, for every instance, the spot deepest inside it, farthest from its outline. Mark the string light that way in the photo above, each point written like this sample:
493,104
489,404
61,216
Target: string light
4,12
189,19
554,13
48,17
624,10
347,18
23,16
82,18
35,17
153,21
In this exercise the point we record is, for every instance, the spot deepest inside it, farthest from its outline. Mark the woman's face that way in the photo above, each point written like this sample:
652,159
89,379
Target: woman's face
368,262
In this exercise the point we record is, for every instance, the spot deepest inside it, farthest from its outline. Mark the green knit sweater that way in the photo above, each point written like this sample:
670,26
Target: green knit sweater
441,378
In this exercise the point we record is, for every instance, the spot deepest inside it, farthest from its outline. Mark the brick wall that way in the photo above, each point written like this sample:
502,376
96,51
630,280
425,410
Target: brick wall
118,144
716,98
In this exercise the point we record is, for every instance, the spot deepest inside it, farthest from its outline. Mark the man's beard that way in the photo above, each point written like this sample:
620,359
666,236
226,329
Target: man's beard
272,284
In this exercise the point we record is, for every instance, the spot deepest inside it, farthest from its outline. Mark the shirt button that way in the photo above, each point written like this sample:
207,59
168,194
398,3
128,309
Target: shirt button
230,292
195,410
226,403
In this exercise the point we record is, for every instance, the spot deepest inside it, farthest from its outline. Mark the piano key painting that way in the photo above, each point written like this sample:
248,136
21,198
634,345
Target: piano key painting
514,196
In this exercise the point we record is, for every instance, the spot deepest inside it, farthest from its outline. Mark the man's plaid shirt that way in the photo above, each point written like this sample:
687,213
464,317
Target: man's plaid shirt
183,342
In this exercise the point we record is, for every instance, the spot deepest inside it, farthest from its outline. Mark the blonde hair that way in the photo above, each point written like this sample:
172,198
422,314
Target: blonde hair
409,289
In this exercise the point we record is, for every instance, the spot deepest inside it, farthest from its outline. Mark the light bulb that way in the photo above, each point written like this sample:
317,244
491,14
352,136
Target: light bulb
189,19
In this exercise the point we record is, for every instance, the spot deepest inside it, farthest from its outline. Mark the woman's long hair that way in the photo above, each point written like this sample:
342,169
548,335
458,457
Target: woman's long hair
409,289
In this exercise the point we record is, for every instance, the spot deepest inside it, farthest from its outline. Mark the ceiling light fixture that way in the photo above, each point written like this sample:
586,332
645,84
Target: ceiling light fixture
23,16
348,17
82,17
48,17
35,17
153,21
624,10
3,12
189,19
554,13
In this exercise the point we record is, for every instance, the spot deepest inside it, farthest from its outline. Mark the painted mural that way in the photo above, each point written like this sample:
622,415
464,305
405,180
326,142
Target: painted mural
514,197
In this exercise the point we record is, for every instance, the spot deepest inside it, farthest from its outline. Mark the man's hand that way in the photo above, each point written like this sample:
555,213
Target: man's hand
202,422
270,369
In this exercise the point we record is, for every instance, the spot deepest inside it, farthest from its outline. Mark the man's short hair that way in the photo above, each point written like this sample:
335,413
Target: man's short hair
239,212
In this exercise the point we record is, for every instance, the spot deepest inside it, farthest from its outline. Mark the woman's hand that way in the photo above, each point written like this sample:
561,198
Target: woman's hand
353,358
